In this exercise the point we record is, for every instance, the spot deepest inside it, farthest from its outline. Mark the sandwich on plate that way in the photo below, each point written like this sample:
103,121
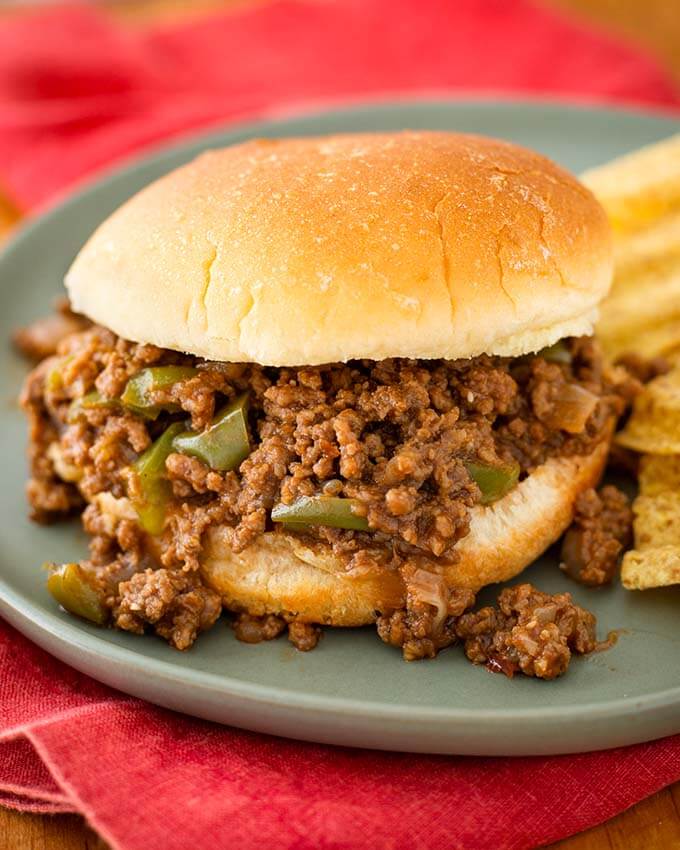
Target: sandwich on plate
331,382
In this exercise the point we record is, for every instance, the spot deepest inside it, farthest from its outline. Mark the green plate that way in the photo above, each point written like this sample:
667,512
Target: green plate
353,689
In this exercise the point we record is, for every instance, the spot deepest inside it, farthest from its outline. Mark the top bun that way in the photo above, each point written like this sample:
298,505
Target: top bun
305,251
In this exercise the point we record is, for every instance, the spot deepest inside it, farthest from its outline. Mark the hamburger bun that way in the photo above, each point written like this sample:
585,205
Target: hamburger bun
318,250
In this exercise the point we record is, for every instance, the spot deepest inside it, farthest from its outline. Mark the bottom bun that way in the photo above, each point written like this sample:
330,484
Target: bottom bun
282,573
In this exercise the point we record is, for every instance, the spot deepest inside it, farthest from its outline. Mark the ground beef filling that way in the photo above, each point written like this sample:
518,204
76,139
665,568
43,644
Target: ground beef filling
427,623
600,533
396,436
529,632
250,629
173,602
41,339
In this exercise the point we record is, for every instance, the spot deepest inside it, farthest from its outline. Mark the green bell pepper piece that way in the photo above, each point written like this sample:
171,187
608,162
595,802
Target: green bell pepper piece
332,511
155,487
69,585
556,353
54,380
493,481
138,392
86,402
224,444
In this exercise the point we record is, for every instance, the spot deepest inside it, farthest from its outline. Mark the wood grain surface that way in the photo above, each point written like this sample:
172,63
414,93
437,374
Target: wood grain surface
653,824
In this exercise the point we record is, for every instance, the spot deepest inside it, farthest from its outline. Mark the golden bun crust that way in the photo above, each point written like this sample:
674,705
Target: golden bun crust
281,574
317,250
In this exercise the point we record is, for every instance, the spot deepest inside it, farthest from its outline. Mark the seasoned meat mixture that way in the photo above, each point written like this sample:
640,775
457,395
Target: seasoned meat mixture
601,531
530,632
401,442
173,602
428,621
41,339
250,629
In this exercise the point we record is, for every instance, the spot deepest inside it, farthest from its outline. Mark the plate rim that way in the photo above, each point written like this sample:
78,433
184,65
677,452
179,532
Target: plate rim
81,639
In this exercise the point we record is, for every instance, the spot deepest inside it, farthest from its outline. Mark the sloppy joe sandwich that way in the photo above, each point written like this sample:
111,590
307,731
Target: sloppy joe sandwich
326,382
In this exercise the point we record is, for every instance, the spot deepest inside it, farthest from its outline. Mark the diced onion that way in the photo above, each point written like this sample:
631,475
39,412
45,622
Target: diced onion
431,588
572,407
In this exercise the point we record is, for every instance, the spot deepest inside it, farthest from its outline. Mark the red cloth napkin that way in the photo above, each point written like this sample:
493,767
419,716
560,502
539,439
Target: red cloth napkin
146,778
78,92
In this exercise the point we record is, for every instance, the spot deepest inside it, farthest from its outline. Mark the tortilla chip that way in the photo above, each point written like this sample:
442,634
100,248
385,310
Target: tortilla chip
654,425
655,567
672,356
652,303
656,560
640,187
649,341
641,194
642,312
638,251
658,474
657,520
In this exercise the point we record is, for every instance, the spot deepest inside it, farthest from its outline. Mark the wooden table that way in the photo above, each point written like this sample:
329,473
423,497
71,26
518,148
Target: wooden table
653,824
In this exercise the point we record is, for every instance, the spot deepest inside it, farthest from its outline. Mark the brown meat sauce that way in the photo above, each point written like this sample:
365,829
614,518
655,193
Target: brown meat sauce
394,435
601,531
529,632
